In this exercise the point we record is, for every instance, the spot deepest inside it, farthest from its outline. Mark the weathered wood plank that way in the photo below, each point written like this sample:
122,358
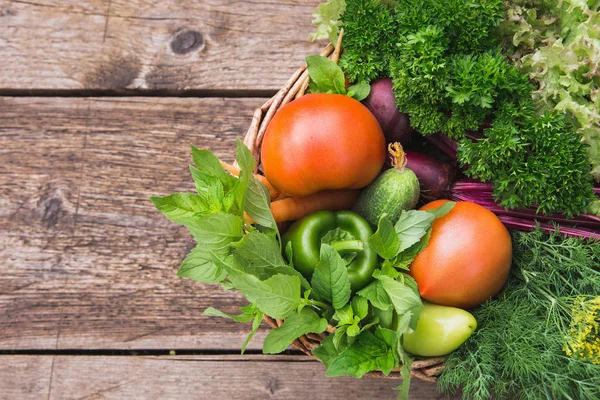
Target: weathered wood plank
173,377
25,377
86,261
171,45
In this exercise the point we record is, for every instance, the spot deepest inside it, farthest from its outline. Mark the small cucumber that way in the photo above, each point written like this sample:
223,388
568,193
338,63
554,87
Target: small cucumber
393,191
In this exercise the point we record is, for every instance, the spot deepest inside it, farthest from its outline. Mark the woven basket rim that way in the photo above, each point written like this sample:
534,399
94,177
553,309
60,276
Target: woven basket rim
426,369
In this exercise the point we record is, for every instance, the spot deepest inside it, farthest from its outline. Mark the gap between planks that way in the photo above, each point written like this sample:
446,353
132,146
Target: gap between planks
203,93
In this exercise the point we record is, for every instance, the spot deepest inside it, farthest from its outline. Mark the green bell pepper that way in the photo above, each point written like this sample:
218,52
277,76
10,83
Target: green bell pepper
306,234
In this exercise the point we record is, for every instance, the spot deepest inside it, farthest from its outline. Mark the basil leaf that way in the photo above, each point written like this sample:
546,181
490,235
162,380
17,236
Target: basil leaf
216,231
261,254
199,265
330,280
277,296
246,162
360,306
210,190
258,203
335,235
180,208
443,209
385,240
255,325
360,91
208,164
325,75
403,298
354,329
405,258
246,315
412,226
344,315
376,294
295,325
339,336
258,254
367,353
327,351
249,313
387,335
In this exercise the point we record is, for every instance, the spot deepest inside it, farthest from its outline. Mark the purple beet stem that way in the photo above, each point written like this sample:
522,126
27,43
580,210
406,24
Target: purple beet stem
584,225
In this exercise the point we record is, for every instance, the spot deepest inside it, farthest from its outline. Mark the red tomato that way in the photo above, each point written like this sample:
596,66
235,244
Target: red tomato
322,141
468,257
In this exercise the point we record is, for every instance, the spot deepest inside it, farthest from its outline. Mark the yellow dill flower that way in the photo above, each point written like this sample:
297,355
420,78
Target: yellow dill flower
584,334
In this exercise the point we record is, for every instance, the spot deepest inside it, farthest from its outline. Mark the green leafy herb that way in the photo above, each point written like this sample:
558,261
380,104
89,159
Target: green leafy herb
249,313
259,255
351,322
216,231
403,297
327,20
199,266
412,226
399,244
179,207
360,91
327,351
385,240
370,33
403,260
330,280
296,325
277,296
367,353
327,77
360,306
531,147
442,210
377,295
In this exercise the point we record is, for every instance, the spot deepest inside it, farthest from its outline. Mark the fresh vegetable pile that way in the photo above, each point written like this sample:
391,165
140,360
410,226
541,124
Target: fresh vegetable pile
467,114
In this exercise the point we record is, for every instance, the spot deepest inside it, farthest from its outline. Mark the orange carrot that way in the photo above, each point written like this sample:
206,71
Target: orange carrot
293,208
274,193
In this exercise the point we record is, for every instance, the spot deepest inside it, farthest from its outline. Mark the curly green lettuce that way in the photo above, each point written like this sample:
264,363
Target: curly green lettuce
558,45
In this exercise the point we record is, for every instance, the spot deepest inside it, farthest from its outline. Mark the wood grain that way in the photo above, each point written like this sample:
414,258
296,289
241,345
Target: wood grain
164,45
86,260
191,377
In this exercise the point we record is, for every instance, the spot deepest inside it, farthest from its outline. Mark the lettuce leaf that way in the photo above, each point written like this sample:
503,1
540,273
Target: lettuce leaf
558,45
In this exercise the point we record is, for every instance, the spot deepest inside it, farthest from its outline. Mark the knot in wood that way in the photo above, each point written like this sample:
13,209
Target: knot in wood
186,41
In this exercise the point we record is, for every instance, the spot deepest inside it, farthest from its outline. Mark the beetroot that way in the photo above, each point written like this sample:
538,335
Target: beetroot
382,103
435,176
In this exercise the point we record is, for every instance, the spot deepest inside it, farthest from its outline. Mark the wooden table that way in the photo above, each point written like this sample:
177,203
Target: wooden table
100,100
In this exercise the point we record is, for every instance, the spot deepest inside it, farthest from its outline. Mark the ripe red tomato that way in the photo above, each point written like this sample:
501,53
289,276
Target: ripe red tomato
322,141
468,257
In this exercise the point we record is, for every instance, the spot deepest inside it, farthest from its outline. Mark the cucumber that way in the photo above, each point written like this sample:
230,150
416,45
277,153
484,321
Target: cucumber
393,191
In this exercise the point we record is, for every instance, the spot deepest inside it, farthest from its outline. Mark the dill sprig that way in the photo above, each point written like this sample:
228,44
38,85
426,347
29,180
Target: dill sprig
521,347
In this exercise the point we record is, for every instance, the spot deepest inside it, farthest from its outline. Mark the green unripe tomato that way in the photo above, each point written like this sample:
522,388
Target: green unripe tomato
440,331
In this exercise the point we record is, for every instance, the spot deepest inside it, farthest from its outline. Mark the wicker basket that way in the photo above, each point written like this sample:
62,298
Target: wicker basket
426,369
